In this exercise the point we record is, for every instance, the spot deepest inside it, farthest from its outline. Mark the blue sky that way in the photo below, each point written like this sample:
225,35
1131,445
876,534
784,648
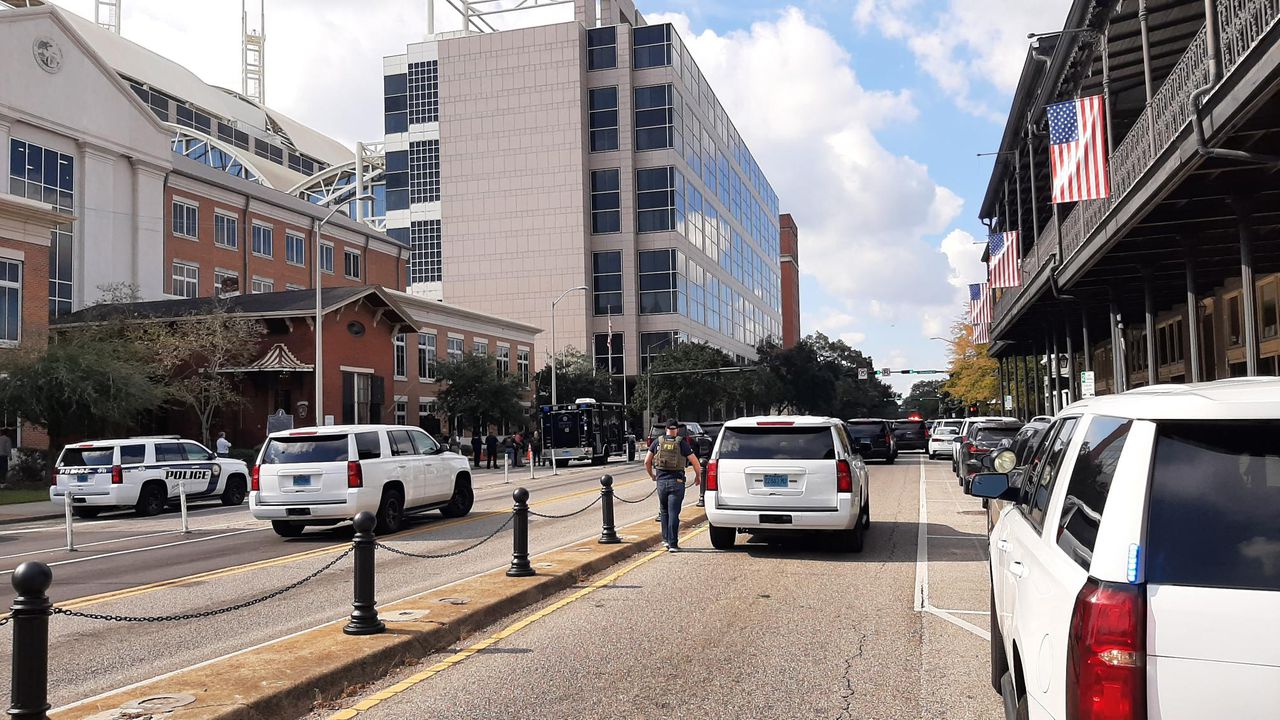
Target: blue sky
865,114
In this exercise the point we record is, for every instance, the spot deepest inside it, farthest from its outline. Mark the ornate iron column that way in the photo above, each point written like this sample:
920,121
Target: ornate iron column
1248,290
1149,302
1193,309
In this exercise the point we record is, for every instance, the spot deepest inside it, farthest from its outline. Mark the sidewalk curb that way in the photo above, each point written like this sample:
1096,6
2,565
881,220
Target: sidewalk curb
290,676
29,518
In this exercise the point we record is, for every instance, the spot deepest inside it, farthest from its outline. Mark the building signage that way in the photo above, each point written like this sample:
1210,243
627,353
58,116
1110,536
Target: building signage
1086,384
862,373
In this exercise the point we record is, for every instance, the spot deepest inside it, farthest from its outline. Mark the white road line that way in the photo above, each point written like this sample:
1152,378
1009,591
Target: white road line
964,612
114,540
956,537
198,511
922,571
143,549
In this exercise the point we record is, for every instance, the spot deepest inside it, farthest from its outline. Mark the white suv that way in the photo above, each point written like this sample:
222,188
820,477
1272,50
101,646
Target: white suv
769,474
1136,571
143,473
327,475
965,426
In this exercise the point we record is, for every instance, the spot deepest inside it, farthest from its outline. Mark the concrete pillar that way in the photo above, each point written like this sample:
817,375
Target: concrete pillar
1120,369
1248,290
1072,378
1085,345
1193,311
1149,302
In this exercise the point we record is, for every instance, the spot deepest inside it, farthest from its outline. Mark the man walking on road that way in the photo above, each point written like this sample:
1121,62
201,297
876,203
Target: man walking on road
224,445
669,455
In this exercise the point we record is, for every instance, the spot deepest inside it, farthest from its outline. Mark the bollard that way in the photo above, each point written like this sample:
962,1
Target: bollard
364,609
608,533
506,467
182,505
520,566
66,509
29,693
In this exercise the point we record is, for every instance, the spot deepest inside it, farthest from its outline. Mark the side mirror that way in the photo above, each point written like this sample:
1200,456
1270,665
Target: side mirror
992,485
212,456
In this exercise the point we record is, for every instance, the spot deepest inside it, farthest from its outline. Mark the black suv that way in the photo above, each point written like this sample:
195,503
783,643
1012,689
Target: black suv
911,434
984,438
876,433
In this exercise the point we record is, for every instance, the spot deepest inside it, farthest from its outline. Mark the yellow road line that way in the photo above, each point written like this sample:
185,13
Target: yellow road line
88,600
377,698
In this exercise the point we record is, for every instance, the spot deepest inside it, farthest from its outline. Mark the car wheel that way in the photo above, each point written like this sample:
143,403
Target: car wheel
234,493
851,540
562,463
85,513
866,512
152,500
390,512
889,460
462,500
597,459
999,662
287,528
722,538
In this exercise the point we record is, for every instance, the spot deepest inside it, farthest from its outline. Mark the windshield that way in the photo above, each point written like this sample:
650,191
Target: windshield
87,457
865,429
1215,498
305,449
994,434
946,432
777,443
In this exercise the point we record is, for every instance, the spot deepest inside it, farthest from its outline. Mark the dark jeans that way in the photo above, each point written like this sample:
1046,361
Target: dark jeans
670,499
493,457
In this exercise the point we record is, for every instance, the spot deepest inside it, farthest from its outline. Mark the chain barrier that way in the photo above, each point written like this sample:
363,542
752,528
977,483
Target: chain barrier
452,553
567,515
207,613
616,496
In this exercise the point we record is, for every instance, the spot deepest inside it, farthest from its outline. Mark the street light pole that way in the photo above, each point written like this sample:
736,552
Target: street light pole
553,368
318,413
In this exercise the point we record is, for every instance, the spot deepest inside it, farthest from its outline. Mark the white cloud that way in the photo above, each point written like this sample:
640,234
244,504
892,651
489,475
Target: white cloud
966,46
863,212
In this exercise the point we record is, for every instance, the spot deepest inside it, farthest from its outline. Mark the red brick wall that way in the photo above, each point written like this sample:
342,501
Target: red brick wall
377,268
790,239
35,317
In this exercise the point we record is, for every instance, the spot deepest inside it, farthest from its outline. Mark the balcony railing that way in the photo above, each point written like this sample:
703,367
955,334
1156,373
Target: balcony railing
1241,23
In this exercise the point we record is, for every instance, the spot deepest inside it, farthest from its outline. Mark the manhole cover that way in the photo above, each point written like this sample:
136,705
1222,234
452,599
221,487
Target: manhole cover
159,703
454,601
403,615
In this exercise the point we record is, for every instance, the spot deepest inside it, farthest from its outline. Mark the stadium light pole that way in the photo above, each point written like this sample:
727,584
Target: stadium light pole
315,261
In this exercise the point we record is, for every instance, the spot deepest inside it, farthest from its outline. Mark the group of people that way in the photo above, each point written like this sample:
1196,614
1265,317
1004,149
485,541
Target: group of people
513,446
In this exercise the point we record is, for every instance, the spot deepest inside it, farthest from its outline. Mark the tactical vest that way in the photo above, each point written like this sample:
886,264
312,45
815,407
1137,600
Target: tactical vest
668,456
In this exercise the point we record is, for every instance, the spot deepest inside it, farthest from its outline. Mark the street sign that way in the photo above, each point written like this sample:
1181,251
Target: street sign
862,373
885,372
1008,402
1086,383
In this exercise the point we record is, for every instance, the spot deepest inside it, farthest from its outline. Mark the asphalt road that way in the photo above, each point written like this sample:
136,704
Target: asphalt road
766,631
128,565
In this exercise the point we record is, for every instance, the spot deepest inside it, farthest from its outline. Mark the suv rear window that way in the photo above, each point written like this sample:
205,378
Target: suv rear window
305,449
1214,500
994,434
777,443
865,429
87,457
908,426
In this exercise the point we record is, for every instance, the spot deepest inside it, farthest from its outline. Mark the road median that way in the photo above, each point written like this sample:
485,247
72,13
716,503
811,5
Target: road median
288,677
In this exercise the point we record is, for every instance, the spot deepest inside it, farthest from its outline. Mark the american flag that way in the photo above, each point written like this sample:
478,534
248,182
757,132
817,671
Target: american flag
1078,150
979,303
1003,254
981,334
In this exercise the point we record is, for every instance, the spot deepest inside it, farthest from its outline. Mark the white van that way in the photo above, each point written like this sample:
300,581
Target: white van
786,474
327,475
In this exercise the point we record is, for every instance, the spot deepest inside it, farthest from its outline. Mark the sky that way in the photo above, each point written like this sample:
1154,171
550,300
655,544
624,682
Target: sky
866,115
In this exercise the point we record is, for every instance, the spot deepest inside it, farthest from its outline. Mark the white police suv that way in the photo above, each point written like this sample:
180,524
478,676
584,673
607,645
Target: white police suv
145,474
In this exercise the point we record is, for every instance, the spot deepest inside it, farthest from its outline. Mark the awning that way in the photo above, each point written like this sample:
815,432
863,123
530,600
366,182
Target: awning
277,359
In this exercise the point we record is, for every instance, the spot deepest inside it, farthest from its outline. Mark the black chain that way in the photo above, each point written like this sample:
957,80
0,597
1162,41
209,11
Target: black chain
5,620
207,613
453,553
616,496
568,515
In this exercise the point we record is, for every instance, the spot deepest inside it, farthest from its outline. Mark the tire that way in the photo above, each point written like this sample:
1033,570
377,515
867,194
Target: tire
722,538
598,459
851,539
562,463
462,500
999,661
152,500
85,513
865,517
889,460
287,528
235,492
390,515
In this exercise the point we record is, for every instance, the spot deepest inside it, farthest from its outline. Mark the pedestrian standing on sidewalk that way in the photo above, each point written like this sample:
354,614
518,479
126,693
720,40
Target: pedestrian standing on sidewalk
665,463
6,448
491,445
476,445
537,448
224,445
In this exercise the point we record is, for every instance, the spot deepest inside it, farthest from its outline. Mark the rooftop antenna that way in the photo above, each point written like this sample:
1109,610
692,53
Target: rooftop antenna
253,82
107,15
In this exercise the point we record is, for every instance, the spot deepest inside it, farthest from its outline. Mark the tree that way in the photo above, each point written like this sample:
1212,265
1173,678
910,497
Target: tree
931,399
974,378
576,377
692,395
476,391
819,376
198,355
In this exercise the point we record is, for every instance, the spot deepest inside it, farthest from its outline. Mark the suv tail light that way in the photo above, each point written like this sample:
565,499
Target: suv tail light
254,483
117,475
355,476
1106,653
54,481
844,477
713,477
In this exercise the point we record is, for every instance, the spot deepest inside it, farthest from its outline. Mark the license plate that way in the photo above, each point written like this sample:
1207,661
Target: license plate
82,478
776,481
302,481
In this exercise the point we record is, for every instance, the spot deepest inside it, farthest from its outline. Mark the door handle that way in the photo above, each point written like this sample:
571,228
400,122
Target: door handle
402,466
1003,545
1017,569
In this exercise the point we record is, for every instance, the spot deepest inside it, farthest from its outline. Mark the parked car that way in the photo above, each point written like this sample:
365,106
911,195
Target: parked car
911,435
941,440
691,431
878,434
143,473
984,439
964,437
1025,445
787,474
328,475
1134,572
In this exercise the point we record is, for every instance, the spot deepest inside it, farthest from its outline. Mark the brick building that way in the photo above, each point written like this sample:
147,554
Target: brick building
790,245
